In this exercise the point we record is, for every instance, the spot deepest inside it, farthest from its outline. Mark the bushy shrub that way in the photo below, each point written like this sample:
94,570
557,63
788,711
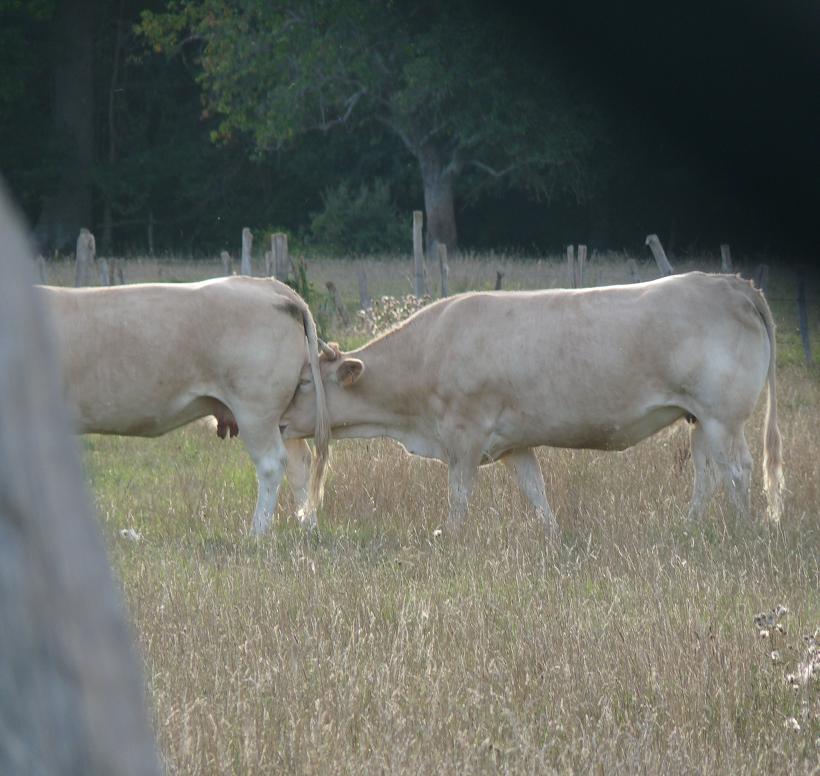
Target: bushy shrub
386,312
360,222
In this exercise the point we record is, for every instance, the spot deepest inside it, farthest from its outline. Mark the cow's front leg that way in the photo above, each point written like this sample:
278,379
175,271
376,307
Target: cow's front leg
265,446
524,465
462,475
298,475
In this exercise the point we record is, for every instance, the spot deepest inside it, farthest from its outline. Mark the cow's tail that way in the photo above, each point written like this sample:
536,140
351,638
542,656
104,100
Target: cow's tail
772,444
321,435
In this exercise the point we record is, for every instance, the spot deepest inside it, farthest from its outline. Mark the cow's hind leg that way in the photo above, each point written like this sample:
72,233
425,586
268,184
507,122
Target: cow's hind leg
298,476
267,450
728,450
524,465
704,482
462,475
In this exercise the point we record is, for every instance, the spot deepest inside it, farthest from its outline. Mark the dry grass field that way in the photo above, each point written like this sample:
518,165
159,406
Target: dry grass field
373,647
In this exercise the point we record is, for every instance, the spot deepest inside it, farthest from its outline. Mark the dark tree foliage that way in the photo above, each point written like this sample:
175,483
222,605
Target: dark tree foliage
446,81
185,120
29,167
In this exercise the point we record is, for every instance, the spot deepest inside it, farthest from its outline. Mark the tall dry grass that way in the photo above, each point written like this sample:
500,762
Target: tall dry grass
374,647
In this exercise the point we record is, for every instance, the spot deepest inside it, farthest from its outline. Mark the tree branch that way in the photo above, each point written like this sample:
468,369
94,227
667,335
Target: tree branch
492,171
350,104
412,145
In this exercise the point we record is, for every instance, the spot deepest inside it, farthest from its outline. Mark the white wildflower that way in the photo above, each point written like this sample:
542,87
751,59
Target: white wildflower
131,535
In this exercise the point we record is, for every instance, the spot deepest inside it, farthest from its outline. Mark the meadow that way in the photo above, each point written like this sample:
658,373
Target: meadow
376,647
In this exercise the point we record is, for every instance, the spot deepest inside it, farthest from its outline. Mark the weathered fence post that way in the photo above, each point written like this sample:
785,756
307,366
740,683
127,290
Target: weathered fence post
660,255
725,259
105,272
803,315
71,689
227,263
444,268
418,253
365,303
579,267
245,266
762,277
499,279
571,266
42,271
281,264
341,310
86,254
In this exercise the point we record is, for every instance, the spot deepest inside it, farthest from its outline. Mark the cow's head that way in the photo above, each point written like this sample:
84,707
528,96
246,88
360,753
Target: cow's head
339,372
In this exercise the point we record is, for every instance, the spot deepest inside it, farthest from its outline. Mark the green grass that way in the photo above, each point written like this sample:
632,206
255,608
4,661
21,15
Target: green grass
375,647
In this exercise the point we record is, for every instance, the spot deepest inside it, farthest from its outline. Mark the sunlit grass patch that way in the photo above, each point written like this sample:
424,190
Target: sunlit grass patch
377,646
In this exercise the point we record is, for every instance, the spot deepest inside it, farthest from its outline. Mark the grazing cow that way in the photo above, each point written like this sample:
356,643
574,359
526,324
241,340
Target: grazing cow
141,360
483,377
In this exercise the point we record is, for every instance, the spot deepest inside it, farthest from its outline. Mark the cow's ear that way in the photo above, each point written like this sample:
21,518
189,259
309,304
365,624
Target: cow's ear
349,371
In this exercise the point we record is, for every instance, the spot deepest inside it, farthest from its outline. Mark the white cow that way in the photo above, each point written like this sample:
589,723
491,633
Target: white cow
141,360
483,377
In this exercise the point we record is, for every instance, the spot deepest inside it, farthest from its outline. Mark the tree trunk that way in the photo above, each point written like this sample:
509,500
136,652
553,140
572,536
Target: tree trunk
438,200
69,208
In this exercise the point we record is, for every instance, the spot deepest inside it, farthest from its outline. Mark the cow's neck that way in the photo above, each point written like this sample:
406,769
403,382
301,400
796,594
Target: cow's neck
385,400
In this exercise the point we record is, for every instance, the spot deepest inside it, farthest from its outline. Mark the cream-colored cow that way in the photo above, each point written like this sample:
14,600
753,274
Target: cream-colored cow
483,377
141,360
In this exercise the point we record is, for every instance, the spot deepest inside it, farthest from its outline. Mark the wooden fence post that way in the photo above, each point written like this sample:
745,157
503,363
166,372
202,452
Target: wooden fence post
660,255
725,259
42,271
803,315
418,253
245,266
579,267
365,302
762,277
341,310
105,272
281,263
86,254
227,263
71,685
571,266
444,268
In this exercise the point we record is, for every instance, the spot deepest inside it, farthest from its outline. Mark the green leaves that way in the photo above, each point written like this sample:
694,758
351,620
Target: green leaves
358,221
450,84
433,74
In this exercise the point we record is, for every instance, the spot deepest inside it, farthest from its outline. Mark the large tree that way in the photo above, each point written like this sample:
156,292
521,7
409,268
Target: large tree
452,84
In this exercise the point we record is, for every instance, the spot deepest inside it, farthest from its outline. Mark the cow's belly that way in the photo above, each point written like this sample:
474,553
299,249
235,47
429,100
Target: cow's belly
149,420
515,429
